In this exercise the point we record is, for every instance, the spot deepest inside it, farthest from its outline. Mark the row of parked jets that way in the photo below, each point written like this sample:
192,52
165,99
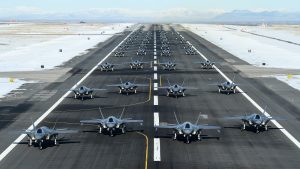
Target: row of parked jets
113,125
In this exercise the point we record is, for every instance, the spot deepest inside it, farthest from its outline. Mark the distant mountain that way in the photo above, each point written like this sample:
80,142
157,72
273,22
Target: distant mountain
264,16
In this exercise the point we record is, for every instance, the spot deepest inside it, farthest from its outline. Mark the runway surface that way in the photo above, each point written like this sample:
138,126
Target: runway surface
135,149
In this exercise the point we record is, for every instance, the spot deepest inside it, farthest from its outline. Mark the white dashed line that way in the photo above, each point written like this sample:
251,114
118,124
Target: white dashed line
156,119
40,119
155,86
155,102
156,150
155,76
155,68
284,131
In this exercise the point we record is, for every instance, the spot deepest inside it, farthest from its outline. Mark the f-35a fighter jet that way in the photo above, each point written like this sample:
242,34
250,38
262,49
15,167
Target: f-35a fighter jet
227,87
176,89
107,66
42,134
188,129
84,91
136,64
207,64
254,120
169,65
111,123
127,87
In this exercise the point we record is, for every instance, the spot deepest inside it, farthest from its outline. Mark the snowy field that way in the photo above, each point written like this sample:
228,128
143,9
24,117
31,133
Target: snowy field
28,53
287,33
7,85
27,46
274,53
293,81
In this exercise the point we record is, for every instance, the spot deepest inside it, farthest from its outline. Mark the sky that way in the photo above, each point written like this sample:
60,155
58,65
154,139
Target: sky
138,9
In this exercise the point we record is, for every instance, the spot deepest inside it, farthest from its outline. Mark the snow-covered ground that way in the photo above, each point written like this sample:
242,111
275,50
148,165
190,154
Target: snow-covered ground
275,54
7,85
44,50
293,81
271,31
27,46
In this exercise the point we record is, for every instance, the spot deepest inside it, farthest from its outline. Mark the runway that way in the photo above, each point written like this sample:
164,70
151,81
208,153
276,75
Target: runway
135,148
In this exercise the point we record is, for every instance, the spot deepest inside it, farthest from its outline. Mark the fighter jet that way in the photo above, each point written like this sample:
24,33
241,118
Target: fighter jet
176,89
227,87
111,123
42,134
169,65
83,91
136,64
254,120
207,64
127,87
187,129
107,66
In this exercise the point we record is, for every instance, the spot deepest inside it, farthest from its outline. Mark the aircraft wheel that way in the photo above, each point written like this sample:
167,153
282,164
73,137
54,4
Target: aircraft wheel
111,133
30,143
219,90
40,145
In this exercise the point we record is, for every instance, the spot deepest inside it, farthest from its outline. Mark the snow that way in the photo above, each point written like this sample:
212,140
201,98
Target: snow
293,81
269,31
7,85
30,57
274,53
28,53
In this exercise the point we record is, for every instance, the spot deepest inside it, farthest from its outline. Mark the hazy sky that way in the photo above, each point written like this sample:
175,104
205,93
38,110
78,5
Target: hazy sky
159,9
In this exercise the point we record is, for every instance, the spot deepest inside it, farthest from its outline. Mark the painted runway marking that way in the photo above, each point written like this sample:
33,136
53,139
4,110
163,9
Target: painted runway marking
284,131
155,86
155,68
155,76
155,102
41,118
156,119
155,57
155,62
156,151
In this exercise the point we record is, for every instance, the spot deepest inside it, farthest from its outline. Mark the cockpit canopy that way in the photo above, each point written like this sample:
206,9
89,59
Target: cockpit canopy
187,125
110,120
39,131
257,117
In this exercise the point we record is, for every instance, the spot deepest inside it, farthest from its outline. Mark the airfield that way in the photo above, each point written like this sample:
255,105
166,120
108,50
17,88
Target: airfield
144,146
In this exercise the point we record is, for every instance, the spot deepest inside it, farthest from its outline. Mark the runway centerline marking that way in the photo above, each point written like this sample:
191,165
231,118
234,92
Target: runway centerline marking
155,68
155,76
155,86
156,119
156,150
278,125
41,118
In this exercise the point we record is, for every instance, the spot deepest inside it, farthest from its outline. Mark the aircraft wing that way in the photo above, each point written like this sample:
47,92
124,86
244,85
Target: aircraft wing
208,127
168,126
132,121
63,131
96,89
164,87
92,122
141,85
114,85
